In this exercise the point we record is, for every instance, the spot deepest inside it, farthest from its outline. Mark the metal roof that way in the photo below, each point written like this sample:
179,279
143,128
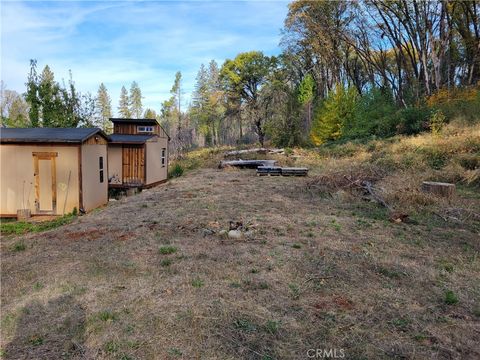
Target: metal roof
48,135
129,139
135,121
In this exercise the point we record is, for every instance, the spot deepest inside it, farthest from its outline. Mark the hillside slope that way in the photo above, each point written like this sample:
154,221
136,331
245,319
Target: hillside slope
150,277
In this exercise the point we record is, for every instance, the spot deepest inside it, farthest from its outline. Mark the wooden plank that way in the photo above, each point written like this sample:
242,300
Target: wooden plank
80,182
44,155
37,182
54,184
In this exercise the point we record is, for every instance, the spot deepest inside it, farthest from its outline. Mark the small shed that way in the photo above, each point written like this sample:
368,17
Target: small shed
52,170
137,153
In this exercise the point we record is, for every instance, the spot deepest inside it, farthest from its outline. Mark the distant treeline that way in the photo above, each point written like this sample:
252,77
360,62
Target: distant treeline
349,69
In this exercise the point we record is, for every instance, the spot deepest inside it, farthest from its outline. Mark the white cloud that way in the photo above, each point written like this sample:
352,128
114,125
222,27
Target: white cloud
119,42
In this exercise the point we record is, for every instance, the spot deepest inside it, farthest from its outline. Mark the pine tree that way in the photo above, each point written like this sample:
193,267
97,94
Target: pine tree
104,109
31,96
177,93
123,106
150,114
136,108
336,111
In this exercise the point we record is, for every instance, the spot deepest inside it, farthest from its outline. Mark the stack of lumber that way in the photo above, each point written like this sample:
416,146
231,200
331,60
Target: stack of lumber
294,171
269,170
251,164
285,171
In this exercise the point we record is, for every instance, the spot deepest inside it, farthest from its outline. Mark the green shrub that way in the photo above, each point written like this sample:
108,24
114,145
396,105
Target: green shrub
374,115
412,120
176,171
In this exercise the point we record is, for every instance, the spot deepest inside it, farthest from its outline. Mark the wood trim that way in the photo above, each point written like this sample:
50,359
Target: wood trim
42,155
39,144
127,186
8,215
145,162
37,183
54,184
52,156
32,215
154,184
80,182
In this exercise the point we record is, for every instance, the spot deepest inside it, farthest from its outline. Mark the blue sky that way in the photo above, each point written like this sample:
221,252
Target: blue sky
117,42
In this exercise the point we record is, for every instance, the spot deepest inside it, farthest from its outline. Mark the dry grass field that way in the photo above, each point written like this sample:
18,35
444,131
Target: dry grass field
149,277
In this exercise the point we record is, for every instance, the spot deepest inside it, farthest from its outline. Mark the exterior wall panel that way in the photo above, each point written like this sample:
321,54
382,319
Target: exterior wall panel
17,182
95,192
155,171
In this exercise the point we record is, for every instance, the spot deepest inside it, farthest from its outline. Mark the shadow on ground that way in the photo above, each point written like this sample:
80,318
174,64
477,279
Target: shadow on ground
51,331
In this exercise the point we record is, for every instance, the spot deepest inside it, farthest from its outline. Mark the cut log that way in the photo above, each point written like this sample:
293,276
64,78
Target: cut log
245,151
438,188
250,164
256,150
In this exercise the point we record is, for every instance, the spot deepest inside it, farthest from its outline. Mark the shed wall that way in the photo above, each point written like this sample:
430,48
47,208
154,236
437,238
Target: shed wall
115,164
155,171
17,177
95,193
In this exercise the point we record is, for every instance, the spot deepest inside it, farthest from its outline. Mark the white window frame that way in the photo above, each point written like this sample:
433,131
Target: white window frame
144,129
164,155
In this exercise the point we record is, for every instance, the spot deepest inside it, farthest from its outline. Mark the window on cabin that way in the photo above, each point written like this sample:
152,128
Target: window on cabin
163,156
100,166
145,129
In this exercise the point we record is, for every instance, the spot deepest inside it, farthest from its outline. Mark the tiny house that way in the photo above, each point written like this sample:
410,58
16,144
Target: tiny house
137,153
52,170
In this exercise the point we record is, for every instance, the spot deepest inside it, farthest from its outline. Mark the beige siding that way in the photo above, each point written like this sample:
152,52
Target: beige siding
155,171
17,183
94,192
115,164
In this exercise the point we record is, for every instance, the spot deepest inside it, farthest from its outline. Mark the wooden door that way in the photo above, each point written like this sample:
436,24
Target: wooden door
133,165
45,173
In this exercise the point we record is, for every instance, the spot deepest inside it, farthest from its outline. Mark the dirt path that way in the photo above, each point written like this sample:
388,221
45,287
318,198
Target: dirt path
315,274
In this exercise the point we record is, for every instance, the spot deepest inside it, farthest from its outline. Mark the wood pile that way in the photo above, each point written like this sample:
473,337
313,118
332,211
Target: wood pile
283,171
250,164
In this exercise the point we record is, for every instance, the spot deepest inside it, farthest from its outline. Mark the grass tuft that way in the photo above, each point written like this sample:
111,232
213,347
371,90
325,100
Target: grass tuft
166,250
450,298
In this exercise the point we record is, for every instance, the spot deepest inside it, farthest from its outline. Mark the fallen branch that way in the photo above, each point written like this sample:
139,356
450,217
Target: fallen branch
368,186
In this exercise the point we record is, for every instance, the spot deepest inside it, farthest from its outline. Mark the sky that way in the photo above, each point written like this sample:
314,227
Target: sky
117,42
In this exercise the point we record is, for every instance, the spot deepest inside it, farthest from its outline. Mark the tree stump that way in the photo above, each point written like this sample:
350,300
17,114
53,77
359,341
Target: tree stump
438,188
